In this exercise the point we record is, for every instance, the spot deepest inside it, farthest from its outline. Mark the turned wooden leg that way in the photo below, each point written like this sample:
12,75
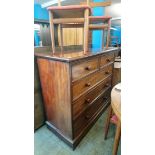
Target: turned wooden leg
86,30
108,122
52,31
117,138
61,37
108,34
103,40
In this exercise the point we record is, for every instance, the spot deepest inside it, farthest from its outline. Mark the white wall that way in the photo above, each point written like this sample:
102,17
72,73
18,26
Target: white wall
114,10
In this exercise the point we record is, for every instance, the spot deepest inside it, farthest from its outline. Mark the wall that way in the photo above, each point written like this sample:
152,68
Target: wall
97,34
40,13
114,10
36,38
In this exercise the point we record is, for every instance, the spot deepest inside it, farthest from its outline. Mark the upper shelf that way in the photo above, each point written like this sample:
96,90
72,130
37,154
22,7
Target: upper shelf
70,11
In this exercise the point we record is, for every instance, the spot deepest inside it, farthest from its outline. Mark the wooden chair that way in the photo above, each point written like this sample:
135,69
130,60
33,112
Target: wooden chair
69,16
114,116
111,118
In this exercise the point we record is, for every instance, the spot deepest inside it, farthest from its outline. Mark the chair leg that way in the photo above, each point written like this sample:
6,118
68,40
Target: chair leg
117,138
52,31
86,30
108,122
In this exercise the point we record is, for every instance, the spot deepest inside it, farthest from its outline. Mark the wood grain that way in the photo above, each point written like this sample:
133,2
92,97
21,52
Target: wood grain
52,31
108,34
98,27
87,99
68,20
72,36
90,81
107,123
117,138
86,117
106,59
70,11
86,30
56,94
84,68
97,4
67,113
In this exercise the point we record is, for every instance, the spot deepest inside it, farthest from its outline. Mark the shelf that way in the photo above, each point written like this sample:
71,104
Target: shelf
98,19
71,11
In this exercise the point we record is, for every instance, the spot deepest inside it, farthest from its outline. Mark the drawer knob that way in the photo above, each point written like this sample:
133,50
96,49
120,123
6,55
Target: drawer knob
88,68
107,72
107,85
108,60
87,100
87,116
87,84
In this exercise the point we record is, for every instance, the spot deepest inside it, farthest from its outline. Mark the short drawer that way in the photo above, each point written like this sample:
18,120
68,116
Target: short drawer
89,82
105,59
87,99
83,121
84,68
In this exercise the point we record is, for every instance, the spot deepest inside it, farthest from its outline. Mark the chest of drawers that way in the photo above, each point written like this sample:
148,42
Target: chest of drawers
76,90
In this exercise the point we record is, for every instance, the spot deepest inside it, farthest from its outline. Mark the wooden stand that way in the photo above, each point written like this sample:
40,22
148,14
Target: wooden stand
101,23
69,15
78,16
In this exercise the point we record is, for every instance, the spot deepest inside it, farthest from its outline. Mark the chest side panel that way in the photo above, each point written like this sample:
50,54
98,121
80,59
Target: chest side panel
55,82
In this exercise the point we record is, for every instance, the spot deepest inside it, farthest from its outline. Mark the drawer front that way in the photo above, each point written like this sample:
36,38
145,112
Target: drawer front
89,82
87,99
84,68
106,59
83,121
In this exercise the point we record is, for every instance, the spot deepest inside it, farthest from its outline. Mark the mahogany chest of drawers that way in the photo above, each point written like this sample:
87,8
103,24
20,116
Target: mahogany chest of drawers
76,90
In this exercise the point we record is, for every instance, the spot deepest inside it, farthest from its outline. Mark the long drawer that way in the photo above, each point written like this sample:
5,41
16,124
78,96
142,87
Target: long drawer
82,69
89,82
85,118
87,99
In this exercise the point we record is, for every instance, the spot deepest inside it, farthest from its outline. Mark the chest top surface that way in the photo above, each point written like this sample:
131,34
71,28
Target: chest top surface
69,56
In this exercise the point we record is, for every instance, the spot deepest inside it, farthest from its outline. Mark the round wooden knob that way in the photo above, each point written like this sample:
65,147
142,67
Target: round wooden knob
87,100
88,68
107,72
108,60
87,116
107,85
87,84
